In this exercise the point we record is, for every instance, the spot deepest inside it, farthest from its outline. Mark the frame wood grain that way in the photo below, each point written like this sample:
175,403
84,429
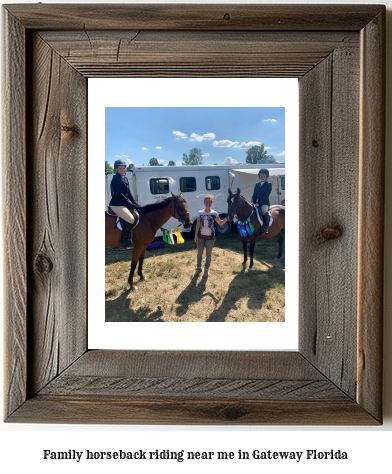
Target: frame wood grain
337,53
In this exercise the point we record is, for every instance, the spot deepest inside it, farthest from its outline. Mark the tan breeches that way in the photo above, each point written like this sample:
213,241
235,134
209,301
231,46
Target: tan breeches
264,208
124,213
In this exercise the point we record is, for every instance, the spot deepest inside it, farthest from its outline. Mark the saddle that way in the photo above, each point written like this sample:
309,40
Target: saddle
122,224
260,216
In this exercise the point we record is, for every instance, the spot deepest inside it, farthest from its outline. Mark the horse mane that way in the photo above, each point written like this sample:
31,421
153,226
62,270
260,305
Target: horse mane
155,206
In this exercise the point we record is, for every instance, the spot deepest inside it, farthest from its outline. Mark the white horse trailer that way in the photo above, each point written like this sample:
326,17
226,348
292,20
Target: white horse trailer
152,183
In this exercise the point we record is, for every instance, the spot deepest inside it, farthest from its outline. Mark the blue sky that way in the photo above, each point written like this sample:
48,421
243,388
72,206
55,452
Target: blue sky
136,134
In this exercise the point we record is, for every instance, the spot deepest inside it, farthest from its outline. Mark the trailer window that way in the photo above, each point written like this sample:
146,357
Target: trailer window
187,185
283,183
159,186
212,182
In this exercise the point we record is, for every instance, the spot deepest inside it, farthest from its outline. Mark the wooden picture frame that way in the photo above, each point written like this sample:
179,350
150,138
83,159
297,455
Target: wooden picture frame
338,54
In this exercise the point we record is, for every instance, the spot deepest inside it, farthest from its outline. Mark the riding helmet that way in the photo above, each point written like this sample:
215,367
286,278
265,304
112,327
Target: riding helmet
119,163
264,171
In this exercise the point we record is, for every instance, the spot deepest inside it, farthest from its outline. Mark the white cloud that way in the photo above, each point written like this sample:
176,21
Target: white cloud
205,155
130,161
122,156
161,161
225,143
245,146
200,138
179,163
158,148
230,161
281,154
269,120
144,148
179,135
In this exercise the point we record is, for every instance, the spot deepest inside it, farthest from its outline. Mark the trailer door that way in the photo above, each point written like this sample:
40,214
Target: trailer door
282,186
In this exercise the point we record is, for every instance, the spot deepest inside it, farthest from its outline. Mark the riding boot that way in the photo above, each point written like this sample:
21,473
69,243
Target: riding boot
266,219
126,240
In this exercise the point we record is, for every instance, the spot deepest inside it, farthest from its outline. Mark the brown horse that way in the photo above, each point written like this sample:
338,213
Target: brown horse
152,217
239,206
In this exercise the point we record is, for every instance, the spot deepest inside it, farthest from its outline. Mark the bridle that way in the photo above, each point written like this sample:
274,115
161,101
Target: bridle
238,208
180,217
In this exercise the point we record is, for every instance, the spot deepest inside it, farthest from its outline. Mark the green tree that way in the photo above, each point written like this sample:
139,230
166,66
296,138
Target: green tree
171,163
194,157
256,153
108,169
130,167
153,162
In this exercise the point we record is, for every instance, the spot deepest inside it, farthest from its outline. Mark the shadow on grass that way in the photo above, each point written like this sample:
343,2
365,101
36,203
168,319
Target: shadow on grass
251,285
118,310
193,293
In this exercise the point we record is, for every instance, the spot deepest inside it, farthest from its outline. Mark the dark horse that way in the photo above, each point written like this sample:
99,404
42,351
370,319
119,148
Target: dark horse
152,217
239,206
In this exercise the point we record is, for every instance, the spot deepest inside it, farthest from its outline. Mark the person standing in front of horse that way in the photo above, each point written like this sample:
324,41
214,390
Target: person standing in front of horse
205,234
260,197
122,200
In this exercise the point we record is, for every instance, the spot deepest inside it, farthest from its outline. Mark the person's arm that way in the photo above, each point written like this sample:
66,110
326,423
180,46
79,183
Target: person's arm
269,189
197,229
221,221
254,196
129,193
119,189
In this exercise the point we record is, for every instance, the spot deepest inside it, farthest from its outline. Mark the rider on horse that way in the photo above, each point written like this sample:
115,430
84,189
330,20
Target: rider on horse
122,200
260,197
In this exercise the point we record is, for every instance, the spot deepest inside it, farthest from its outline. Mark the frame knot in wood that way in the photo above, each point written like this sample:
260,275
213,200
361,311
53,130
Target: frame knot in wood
233,412
68,128
43,264
327,233
227,16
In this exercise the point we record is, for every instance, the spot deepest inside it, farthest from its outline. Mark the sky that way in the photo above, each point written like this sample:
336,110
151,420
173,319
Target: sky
136,134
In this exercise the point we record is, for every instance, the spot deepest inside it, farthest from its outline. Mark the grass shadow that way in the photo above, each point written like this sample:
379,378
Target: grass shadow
193,293
250,285
119,310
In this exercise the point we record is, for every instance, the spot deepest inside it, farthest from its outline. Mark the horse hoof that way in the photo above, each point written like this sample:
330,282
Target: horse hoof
250,269
133,288
243,264
277,259
142,278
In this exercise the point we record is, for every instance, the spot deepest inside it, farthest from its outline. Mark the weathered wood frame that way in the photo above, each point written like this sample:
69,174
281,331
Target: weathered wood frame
337,52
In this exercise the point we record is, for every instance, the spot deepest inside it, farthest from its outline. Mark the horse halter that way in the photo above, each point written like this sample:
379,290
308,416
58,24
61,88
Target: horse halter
238,207
181,218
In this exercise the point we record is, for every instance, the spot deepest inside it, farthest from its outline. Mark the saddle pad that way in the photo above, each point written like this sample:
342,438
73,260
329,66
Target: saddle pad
260,221
118,221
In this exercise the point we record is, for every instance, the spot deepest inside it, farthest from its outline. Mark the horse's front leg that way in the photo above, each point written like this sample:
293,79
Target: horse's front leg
252,242
137,250
140,267
245,247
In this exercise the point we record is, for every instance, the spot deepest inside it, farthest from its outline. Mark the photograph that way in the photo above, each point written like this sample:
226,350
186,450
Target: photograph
195,222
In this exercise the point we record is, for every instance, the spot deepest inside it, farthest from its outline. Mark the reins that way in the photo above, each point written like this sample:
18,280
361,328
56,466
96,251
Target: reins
239,206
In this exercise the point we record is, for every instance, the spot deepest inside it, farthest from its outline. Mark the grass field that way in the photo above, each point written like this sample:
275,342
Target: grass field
171,293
